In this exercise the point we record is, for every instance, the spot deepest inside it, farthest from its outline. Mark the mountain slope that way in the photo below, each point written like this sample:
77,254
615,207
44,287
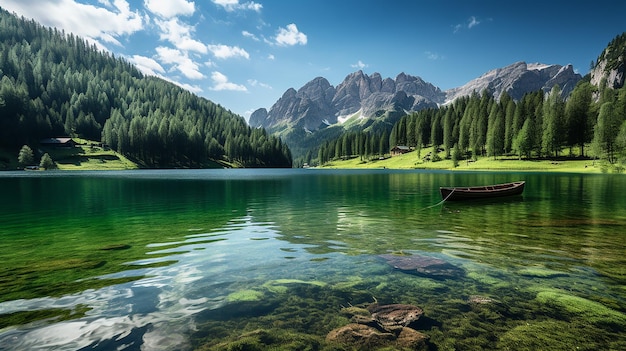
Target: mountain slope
611,64
53,84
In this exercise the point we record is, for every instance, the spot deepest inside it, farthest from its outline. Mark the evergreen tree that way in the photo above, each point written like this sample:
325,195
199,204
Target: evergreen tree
578,116
553,116
523,142
26,156
495,131
47,162
606,132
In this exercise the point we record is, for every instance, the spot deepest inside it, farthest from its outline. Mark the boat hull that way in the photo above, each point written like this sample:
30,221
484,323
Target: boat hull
482,192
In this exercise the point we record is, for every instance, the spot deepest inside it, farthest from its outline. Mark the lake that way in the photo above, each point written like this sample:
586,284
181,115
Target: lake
276,259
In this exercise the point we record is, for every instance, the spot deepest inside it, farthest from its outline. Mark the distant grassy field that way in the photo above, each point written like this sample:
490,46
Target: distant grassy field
90,158
411,161
87,156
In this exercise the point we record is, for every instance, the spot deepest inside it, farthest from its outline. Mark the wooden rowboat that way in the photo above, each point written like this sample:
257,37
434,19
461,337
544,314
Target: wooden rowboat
481,192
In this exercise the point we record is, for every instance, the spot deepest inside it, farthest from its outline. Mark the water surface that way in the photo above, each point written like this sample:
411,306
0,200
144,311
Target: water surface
183,260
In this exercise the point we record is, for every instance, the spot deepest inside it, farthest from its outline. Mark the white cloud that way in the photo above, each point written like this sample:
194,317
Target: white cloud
359,65
256,83
170,8
93,22
180,62
247,34
224,51
147,65
179,34
472,22
234,5
192,88
433,55
271,57
290,36
221,82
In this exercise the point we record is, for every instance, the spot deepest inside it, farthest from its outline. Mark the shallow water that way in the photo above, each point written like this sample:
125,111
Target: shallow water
160,260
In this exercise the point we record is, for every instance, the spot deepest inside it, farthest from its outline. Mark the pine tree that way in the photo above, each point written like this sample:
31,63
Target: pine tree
26,156
553,115
47,162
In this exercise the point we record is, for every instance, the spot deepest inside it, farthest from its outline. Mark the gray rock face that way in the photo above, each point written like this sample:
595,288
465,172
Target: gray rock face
614,76
518,79
318,104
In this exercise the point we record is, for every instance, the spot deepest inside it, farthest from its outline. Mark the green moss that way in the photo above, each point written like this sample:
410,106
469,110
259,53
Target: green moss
245,295
574,306
52,315
274,339
485,278
553,335
540,272
279,286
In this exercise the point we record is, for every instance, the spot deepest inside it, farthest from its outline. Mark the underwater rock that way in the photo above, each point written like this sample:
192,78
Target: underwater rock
381,326
395,316
424,266
411,338
359,335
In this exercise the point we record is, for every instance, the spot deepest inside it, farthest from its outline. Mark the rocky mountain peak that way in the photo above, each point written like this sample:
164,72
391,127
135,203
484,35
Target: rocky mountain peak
518,79
318,104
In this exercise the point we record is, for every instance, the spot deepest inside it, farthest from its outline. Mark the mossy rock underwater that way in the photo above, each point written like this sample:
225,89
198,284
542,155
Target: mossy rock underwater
245,295
557,335
590,311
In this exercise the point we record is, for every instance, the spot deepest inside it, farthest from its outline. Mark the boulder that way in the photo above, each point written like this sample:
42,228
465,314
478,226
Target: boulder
426,266
359,335
395,316
412,339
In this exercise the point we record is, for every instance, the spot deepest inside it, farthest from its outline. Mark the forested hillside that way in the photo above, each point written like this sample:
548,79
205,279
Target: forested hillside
56,84
590,123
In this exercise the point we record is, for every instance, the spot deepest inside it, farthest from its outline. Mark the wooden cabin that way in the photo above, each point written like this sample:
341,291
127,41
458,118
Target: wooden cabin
399,150
58,142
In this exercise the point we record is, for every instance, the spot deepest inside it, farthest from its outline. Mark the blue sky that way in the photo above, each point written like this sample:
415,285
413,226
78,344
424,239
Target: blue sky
244,54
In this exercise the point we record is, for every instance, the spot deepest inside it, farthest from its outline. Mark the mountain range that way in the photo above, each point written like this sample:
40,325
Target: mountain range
305,118
318,104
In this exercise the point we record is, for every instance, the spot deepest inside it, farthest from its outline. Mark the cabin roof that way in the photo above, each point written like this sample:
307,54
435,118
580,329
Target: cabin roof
55,140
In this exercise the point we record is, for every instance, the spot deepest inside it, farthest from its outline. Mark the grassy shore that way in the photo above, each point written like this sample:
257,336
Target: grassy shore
411,161
89,156
85,156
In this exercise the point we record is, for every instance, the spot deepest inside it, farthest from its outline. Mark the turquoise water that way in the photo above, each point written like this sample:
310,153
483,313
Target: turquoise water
194,259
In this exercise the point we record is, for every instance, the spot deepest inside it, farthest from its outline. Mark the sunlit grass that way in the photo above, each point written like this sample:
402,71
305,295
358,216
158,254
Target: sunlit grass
411,160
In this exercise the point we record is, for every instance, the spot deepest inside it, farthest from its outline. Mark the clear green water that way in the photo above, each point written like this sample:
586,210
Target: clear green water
184,260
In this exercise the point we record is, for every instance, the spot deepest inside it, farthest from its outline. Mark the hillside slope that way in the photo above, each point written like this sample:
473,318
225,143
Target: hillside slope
57,84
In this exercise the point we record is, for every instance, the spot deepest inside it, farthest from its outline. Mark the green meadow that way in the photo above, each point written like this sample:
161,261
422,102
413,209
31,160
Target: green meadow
411,160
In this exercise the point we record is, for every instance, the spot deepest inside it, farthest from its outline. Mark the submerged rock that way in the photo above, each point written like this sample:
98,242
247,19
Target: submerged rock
360,335
395,316
426,266
380,326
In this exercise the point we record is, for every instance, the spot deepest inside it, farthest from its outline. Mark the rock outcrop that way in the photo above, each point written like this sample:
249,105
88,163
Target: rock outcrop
518,79
611,64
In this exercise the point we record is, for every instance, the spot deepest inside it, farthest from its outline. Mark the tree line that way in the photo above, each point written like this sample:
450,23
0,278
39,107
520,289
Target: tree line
540,125
56,84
